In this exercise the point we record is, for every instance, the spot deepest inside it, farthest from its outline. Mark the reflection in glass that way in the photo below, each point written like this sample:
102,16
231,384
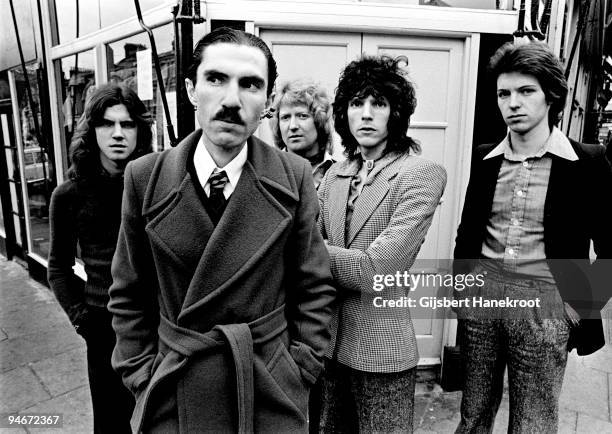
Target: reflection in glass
71,24
131,63
37,160
78,82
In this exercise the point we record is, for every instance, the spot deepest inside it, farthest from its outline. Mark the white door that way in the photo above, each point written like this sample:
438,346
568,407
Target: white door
436,67
320,56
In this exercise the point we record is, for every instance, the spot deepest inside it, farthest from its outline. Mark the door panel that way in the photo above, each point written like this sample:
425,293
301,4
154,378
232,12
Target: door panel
319,56
435,66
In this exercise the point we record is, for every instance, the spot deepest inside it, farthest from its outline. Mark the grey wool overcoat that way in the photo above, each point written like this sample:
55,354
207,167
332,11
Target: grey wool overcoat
220,329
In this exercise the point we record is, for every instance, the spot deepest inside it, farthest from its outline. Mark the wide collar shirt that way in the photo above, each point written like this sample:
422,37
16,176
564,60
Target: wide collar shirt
515,231
205,165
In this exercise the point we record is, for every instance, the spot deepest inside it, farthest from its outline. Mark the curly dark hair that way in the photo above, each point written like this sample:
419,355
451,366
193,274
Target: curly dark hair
377,76
536,59
231,36
84,151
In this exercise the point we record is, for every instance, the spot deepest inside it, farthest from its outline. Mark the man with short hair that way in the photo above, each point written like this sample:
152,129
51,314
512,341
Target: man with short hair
86,211
221,294
534,203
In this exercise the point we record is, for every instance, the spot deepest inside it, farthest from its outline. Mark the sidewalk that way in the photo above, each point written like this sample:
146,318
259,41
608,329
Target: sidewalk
43,370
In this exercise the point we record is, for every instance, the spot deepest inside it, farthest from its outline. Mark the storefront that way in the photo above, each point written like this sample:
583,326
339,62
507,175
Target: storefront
78,45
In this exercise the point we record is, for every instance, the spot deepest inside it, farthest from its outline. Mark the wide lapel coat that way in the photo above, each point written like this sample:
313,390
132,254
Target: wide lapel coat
390,220
173,266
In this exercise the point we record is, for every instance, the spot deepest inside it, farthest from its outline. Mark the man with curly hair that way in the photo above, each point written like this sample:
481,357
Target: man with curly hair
86,210
301,124
376,208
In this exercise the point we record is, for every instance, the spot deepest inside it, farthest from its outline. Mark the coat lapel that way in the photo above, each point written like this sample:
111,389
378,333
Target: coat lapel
374,191
338,197
172,204
251,223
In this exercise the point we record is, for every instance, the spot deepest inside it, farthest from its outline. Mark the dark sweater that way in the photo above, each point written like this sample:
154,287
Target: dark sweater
87,212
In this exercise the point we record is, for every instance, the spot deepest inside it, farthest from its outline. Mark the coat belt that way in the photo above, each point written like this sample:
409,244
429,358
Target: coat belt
240,338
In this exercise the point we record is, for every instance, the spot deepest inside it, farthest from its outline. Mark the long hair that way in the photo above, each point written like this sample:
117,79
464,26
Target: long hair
536,59
377,76
84,151
231,36
312,96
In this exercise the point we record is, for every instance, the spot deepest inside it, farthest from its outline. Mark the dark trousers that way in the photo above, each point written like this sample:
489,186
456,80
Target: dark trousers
366,402
112,402
532,345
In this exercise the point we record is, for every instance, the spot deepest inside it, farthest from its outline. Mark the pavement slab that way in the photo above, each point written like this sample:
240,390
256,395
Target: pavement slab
74,406
585,390
590,425
65,372
54,340
20,388
600,360
28,319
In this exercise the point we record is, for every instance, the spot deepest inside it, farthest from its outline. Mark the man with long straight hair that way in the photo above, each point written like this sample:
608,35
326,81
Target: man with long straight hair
86,210
534,203
221,293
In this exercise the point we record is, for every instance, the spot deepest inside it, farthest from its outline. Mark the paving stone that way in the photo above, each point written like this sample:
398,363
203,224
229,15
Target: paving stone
12,430
41,345
75,406
64,372
590,425
30,319
567,422
501,420
600,360
585,390
610,395
20,389
442,413
3,335
8,359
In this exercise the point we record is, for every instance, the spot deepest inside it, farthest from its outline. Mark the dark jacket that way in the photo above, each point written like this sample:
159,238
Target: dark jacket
225,325
87,212
576,211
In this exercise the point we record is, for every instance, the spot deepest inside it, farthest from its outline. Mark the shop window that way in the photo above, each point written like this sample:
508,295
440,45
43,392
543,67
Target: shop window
91,15
37,159
113,11
131,63
77,83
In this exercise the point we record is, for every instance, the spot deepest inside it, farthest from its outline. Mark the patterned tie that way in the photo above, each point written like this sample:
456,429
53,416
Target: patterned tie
217,201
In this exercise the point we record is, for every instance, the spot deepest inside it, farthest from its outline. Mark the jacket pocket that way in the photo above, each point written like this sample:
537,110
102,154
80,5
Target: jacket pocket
286,374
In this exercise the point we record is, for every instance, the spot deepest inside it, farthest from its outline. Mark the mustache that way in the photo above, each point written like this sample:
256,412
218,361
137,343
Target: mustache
229,114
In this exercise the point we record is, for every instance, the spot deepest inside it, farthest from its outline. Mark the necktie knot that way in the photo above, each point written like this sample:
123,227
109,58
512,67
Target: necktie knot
217,180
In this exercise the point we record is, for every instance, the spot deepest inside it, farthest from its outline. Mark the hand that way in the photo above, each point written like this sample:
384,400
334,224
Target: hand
571,315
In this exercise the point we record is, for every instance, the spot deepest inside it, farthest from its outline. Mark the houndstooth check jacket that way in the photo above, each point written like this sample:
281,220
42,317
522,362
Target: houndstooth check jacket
389,223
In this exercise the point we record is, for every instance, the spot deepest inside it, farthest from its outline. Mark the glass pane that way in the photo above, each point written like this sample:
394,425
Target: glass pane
469,4
88,18
78,81
131,63
113,11
38,161
2,227
17,225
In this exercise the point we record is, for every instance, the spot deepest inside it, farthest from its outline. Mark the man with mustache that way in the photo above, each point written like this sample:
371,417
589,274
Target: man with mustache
222,289
534,204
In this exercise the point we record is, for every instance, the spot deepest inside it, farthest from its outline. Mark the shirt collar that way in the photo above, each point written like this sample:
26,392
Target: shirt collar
205,165
557,144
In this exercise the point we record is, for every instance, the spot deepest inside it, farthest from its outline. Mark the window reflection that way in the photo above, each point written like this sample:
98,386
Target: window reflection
131,63
78,82
37,159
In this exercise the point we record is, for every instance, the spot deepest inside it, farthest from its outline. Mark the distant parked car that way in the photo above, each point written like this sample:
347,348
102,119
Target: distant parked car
35,169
